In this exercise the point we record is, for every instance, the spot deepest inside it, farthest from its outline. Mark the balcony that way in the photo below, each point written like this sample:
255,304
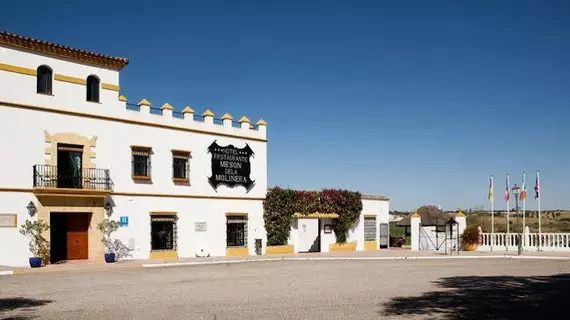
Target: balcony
83,181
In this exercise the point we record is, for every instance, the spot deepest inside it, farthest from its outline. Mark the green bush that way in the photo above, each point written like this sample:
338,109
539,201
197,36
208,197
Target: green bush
280,205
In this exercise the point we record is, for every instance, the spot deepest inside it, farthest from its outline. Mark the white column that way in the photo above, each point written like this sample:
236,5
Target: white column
262,127
144,106
415,222
244,121
188,114
167,110
208,117
227,120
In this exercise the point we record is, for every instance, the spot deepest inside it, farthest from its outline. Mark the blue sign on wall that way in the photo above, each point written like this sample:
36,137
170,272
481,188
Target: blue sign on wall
124,221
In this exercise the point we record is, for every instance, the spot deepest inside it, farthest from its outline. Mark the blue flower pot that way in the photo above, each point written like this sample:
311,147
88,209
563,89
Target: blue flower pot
110,257
35,262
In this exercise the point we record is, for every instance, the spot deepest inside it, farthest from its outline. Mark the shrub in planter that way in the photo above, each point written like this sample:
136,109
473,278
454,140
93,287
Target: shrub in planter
107,227
39,245
470,238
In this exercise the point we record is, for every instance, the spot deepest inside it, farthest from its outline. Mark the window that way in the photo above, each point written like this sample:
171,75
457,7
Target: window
180,166
44,80
141,162
369,229
93,89
236,231
163,232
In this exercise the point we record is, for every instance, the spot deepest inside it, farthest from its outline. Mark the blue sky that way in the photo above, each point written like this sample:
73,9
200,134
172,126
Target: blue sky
417,100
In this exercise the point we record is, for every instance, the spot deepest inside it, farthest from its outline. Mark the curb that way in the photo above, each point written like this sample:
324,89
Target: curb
6,273
199,263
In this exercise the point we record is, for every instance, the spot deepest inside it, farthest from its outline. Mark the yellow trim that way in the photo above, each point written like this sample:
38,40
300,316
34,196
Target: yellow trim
237,252
316,215
369,215
162,213
415,215
108,86
166,106
236,214
261,122
122,98
227,116
370,245
284,249
158,195
16,69
163,255
64,78
143,102
335,247
460,213
187,110
128,121
208,113
70,192
180,180
14,215
244,119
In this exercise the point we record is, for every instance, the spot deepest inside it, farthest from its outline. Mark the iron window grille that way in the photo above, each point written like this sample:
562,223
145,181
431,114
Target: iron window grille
163,233
181,165
141,162
369,229
236,234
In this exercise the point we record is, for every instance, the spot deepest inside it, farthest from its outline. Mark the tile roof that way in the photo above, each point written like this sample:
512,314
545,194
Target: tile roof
54,49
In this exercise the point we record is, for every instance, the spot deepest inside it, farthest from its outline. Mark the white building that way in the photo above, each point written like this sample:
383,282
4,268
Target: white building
74,150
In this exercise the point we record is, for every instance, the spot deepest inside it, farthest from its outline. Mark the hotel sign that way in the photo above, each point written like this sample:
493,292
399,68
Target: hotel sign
230,166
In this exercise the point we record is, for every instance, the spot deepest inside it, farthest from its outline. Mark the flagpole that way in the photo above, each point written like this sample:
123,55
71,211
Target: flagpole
537,190
507,199
492,212
524,211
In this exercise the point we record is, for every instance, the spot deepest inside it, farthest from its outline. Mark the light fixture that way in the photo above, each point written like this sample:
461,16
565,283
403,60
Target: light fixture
31,208
108,209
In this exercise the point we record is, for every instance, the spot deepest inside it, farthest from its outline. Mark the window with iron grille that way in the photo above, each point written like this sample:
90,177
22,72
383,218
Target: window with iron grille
141,162
93,88
369,229
163,233
44,80
236,231
180,165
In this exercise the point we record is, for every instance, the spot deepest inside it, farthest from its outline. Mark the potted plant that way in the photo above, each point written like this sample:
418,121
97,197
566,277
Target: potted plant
107,227
470,238
39,245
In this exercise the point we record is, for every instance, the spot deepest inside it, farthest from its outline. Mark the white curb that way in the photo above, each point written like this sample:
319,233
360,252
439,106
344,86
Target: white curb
199,263
6,273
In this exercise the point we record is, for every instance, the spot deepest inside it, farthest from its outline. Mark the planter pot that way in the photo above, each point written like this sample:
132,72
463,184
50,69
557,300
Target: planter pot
35,262
470,247
110,257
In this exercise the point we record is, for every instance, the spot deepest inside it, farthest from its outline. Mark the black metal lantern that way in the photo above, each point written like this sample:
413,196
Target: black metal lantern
32,209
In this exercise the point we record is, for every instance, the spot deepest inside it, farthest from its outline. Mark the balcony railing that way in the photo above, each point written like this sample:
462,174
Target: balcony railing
46,176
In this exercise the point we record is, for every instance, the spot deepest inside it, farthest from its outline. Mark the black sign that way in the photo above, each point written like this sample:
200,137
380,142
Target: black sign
230,166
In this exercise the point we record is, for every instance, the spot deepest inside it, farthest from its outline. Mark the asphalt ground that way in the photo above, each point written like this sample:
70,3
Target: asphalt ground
357,289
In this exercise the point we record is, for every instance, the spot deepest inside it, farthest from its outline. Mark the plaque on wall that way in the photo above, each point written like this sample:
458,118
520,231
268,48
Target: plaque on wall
8,220
230,166
200,227
328,228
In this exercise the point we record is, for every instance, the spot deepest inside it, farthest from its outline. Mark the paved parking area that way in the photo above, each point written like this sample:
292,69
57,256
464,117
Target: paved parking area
471,288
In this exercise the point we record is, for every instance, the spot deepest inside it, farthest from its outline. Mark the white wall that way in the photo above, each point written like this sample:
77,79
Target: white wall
23,145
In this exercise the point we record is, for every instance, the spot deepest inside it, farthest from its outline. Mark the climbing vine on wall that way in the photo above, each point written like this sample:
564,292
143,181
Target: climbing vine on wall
280,205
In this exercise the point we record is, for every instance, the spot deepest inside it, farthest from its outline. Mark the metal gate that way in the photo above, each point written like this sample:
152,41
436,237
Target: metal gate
384,235
432,240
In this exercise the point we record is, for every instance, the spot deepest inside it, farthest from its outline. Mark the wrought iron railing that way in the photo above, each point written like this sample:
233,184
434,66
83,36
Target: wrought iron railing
46,176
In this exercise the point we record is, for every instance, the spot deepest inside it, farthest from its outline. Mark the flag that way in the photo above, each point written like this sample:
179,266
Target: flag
523,189
491,189
537,186
507,191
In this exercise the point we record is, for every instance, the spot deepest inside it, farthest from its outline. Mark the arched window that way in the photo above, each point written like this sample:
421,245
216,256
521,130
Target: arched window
93,89
44,80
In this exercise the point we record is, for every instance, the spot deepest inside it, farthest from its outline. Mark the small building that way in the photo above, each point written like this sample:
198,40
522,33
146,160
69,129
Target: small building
313,232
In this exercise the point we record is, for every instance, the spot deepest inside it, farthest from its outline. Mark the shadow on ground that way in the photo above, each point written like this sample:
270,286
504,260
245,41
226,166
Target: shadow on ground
19,304
487,297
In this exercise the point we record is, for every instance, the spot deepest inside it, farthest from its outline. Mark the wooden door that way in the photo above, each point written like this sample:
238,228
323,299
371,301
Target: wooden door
77,236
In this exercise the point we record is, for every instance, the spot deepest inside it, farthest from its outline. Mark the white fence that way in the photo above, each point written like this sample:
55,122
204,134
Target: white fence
531,241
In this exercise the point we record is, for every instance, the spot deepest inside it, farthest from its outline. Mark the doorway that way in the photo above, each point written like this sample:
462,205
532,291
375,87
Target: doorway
309,235
69,166
69,236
